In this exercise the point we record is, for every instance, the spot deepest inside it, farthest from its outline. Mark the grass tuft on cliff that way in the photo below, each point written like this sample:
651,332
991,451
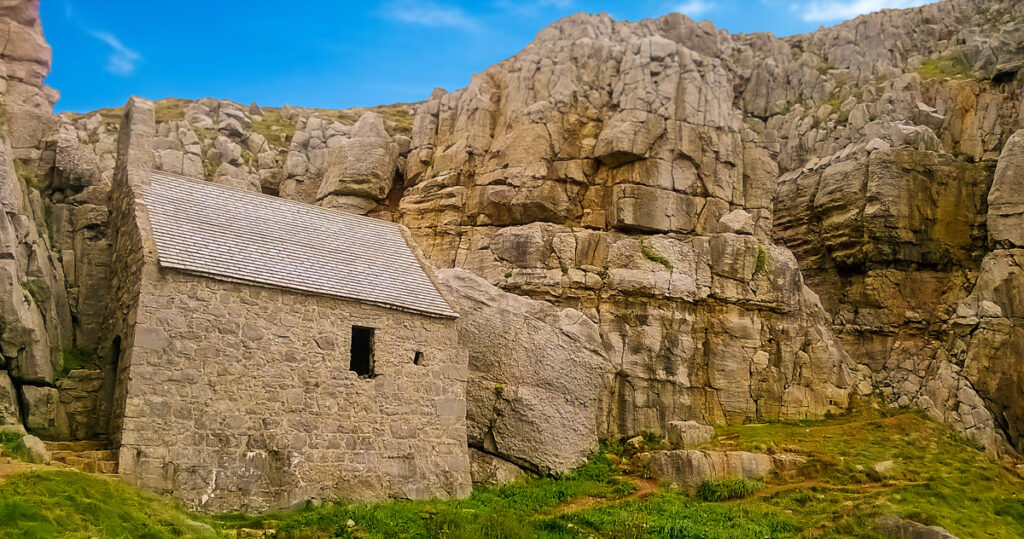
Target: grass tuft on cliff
170,110
654,256
945,67
78,357
73,504
274,128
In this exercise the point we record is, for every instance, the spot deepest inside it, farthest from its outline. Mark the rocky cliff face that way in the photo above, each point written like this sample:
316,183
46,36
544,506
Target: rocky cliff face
35,319
691,193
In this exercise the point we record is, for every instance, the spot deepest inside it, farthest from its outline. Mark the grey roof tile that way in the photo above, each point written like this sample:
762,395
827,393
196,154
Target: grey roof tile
219,231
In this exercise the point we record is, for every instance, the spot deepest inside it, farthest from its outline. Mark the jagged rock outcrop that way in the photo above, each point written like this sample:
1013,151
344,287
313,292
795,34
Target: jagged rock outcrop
35,319
1006,197
598,169
360,170
988,327
885,234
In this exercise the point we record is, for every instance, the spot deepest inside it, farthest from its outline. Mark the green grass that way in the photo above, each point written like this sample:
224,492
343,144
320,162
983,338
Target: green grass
397,119
274,128
761,262
211,163
78,357
672,515
727,489
27,173
836,104
654,256
170,110
945,67
520,509
10,445
72,504
937,478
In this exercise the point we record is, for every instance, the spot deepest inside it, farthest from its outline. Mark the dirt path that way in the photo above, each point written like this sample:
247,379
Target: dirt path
9,467
644,488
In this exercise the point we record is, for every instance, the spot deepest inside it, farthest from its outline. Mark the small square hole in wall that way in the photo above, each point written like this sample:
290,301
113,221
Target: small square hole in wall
417,358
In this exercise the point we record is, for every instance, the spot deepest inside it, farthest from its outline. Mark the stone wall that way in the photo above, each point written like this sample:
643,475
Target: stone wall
241,396
133,254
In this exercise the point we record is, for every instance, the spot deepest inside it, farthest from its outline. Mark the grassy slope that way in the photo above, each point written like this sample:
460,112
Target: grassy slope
935,478
72,504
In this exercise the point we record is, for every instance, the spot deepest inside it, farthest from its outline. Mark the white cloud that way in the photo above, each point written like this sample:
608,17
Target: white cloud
122,60
838,10
425,13
695,8
526,8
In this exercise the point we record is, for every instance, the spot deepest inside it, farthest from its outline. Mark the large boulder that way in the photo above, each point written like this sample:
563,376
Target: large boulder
44,413
689,468
490,470
990,324
33,449
686,434
537,374
901,528
360,167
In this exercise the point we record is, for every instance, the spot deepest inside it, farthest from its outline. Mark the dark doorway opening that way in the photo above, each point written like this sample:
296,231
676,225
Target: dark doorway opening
105,400
417,358
361,358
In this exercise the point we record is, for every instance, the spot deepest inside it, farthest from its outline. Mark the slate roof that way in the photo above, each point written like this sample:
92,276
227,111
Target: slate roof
217,231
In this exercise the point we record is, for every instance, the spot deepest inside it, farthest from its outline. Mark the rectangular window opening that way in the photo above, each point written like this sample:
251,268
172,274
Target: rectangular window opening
417,359
361,358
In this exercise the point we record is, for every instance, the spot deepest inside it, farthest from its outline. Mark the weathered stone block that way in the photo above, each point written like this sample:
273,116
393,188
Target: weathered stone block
688,468
687,434
44,413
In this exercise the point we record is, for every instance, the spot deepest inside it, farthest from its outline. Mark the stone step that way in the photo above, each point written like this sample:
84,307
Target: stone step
81,445
106,467
91,456
105,454
89,465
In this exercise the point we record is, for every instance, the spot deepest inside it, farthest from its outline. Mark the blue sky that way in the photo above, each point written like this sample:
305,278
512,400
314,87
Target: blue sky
338,54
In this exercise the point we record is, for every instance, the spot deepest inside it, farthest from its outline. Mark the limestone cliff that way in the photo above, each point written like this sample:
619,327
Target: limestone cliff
35,319
692,193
